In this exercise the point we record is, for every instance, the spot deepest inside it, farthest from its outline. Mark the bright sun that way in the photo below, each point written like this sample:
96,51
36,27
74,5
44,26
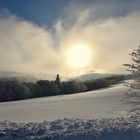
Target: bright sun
78,56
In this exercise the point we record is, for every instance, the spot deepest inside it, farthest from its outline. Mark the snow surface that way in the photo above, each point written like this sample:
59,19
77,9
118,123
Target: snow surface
69,129
104,103
102,115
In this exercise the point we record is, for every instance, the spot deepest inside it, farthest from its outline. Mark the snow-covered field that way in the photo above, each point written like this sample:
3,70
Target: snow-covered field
94,115
104,103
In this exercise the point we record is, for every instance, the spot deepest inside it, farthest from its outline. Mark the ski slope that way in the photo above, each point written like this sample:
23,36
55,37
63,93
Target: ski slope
103,103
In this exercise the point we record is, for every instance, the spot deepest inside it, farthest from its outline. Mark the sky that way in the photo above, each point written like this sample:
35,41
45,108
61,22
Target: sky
68,37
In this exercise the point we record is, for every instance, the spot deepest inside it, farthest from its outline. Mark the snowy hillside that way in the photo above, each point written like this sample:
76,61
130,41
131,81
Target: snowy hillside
105,103
94,115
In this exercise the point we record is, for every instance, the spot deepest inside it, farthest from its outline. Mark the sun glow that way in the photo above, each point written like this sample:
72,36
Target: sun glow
79,56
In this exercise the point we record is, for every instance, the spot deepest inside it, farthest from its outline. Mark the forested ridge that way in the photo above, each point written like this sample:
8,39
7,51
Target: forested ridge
11,90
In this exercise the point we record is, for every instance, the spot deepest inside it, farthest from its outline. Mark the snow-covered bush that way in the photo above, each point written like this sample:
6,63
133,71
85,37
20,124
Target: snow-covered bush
73,129
134,69
133,94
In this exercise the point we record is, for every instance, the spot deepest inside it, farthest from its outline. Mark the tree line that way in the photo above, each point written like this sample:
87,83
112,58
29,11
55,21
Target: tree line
11,90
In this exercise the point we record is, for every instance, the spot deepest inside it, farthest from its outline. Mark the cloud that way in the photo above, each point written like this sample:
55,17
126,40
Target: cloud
111,39
24,46
28,48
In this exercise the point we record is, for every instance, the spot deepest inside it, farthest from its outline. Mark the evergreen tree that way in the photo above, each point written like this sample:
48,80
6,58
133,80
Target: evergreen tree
58,81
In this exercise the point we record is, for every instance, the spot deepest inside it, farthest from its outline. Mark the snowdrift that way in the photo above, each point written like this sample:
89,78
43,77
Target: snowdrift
73,129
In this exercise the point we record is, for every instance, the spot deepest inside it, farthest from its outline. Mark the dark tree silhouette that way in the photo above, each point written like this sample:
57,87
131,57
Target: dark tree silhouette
73,87
58,81
48,87
13,90
58,78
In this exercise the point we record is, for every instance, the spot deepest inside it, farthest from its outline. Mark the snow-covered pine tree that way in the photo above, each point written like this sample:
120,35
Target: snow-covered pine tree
134,69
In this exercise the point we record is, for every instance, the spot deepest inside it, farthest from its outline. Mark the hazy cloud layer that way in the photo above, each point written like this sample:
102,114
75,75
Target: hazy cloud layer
28,48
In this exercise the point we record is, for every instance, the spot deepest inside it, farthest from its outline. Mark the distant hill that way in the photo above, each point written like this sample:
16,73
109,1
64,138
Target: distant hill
91,76
17,76
20,77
